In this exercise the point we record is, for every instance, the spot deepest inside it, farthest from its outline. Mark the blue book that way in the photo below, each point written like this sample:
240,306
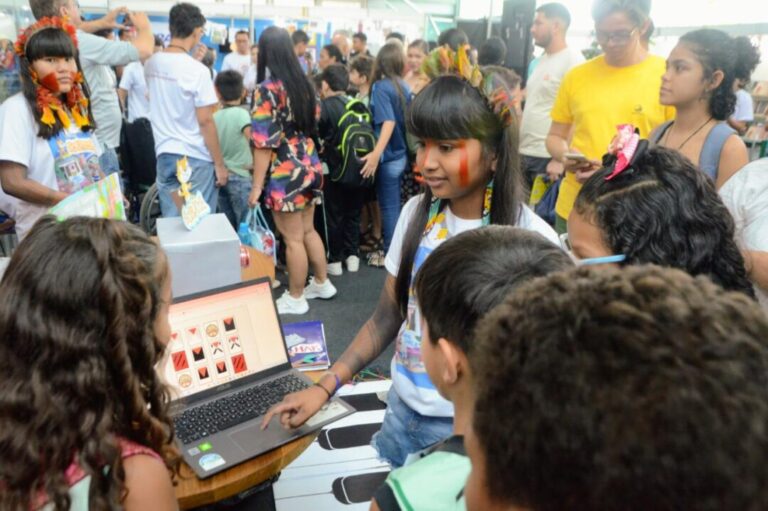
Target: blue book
306,346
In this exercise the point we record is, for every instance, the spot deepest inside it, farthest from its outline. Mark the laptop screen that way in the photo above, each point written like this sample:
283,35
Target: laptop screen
222,337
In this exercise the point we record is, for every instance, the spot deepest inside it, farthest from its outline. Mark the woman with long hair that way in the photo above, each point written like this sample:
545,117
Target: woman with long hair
285,115
390,97
699,83
467,153
417,52
660,210
83,322
48,149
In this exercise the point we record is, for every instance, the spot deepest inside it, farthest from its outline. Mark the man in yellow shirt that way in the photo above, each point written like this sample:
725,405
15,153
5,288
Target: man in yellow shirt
619,87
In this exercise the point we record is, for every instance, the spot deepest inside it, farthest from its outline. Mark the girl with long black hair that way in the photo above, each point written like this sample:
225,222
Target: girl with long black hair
467,153
284,120
47,146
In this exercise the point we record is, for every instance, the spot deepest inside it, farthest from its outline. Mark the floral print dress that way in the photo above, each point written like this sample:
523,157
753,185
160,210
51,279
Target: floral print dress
295,174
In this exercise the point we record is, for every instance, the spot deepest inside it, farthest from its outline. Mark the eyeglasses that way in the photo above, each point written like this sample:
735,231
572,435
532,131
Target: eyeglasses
592,261
618,37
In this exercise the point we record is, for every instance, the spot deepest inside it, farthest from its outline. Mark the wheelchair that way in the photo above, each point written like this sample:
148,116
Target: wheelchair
140,170
149,210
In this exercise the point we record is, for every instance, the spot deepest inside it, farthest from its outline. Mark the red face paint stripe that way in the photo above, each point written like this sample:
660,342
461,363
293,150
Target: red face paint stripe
50,82
463,165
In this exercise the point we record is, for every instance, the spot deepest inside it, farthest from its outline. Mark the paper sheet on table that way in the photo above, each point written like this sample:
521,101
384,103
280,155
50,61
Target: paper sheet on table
103,199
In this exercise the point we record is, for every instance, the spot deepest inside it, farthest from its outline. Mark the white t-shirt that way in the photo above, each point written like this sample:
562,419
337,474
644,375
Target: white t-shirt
67,162
249,81
744,109
541,92
409,376
178,85
134,83
237,62
745,195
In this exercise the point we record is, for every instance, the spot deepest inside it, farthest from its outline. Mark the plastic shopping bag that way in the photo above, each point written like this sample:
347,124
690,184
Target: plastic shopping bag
254,232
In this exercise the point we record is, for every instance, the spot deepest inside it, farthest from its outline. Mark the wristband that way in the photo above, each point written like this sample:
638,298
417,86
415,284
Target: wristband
317,384
337,385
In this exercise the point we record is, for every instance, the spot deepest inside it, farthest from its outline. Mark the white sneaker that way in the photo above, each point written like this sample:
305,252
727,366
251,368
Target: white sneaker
335,269
275,284
353,263
315,290
287,304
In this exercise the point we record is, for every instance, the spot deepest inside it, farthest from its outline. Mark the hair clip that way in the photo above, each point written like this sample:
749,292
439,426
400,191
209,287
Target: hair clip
625,149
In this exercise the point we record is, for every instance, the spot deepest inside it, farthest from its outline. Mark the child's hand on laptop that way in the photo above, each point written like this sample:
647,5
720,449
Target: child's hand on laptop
295,409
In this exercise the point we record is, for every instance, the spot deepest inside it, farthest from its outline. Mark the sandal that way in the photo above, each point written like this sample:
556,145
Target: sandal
376,258
370,243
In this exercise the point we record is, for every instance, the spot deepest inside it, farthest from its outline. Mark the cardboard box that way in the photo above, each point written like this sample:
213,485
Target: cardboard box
204,258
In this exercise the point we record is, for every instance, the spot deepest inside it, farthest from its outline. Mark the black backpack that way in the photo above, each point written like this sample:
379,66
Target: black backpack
355,138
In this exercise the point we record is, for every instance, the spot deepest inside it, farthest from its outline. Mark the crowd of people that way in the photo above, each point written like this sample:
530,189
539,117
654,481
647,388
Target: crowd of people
611,356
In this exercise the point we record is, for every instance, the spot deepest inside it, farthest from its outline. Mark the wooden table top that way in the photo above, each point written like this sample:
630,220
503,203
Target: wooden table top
261,266
192,492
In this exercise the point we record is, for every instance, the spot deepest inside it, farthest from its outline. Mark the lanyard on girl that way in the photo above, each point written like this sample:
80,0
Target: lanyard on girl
436,215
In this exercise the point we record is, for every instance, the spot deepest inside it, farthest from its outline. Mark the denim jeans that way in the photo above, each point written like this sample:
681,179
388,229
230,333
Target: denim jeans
388,192
233,198
110,164
202,180
406,431
108,161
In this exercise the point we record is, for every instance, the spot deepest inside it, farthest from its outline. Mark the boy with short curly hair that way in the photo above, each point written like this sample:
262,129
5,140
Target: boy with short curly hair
634,389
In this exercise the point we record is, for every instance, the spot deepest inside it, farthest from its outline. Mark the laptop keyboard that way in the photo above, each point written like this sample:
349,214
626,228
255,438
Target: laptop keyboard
202,421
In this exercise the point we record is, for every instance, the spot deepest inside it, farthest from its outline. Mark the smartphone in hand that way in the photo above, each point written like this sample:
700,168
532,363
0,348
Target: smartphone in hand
577,157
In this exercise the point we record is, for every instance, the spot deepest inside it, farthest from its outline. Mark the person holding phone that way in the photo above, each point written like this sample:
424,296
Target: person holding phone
619,87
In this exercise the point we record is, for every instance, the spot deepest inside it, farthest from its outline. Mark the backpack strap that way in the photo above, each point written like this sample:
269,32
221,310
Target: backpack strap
709,159
660,131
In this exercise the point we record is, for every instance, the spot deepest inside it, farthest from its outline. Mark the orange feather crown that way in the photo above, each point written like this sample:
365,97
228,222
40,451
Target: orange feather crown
43,23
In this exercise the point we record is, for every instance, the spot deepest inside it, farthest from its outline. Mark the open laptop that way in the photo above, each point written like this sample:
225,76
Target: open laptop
226,364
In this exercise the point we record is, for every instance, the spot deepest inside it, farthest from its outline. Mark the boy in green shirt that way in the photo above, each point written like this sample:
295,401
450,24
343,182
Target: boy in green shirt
459,283
233,125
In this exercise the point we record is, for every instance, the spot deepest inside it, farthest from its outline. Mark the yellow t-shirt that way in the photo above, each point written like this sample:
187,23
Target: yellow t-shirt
595,98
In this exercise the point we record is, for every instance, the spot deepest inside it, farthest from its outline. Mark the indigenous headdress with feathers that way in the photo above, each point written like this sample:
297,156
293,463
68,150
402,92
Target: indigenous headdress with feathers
48,101
444,61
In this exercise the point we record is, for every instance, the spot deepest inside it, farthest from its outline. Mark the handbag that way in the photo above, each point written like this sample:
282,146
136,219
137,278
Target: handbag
254,231
546,206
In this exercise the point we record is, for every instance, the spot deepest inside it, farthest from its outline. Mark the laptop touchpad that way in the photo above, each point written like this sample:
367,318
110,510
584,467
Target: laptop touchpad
252,437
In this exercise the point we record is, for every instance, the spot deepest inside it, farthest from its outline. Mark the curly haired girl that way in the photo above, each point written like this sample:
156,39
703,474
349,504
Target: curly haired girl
83,415
660,210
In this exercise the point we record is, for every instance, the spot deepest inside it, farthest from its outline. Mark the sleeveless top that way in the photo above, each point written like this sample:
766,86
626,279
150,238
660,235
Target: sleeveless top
79,482
709,158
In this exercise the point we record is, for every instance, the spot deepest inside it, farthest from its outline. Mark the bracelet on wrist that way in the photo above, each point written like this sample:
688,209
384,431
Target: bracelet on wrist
337,380
317,384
